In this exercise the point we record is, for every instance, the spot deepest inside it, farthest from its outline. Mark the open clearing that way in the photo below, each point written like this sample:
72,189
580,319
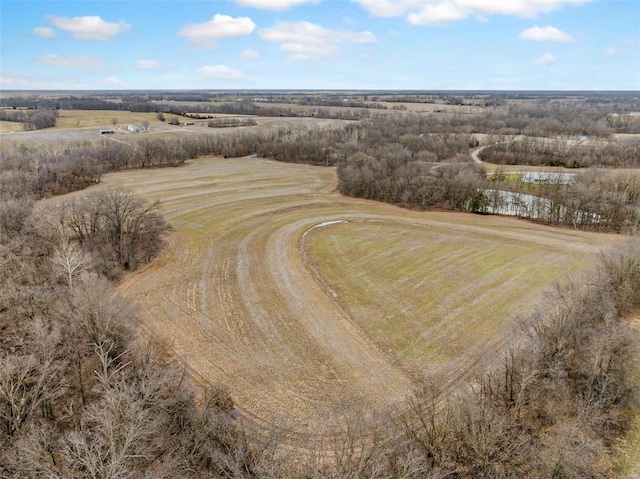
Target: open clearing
307,304
85,125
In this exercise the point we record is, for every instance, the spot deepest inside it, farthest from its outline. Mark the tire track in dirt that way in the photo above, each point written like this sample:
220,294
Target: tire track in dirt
237,301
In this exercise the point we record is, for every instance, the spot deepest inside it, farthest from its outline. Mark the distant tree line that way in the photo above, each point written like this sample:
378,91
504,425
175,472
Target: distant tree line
597,200
545,115
387,159
568,154
230,122
244,107
339,101
42,173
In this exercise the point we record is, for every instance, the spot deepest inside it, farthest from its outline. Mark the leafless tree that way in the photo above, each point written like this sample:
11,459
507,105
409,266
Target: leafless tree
40,119
100,313
14,214
30,382
34,454
122,230
71,260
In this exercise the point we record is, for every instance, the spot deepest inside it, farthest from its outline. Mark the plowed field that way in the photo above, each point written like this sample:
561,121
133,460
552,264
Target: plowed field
306,304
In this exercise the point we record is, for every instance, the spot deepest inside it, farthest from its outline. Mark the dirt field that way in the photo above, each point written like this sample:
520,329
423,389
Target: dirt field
307,305
85,125
434,108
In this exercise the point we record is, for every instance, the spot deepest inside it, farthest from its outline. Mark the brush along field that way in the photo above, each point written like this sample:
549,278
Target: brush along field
85,125
308,305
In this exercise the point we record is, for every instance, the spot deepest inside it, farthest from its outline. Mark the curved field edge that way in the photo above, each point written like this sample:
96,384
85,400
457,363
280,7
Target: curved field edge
304,330
432,297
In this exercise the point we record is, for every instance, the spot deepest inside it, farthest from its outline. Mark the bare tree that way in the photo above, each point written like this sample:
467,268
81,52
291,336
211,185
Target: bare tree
40,119
30,382
34,453
122,230
119,433
114,121
71,259
100,314
14,214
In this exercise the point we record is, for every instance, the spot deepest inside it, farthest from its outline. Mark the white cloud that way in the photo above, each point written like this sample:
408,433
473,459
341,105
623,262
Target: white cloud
147,65
205,36
25,82
546,59
610,52
273,4
308,41
248,53
45,32
545,34
389,8
436,12
220,72
90,27
114,81
84,63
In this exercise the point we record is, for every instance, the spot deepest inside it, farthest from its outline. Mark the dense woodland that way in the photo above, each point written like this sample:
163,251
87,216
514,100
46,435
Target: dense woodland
594,115
231,122
78,398
579,153
31,119
407,159
597,200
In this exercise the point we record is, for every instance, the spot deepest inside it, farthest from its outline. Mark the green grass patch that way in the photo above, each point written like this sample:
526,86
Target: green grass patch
429,293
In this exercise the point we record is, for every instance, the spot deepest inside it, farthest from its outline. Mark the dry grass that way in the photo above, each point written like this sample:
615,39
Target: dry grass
630,453
85,125
303,327
435,108
433,295
101,118
8,126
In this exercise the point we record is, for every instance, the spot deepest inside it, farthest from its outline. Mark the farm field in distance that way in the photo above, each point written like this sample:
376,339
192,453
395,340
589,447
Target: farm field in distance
74,126
308,305
318,287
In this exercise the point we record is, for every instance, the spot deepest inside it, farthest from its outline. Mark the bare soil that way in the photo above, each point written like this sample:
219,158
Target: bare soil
304,323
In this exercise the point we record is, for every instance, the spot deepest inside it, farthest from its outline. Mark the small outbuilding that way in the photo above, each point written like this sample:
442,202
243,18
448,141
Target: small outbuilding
132,129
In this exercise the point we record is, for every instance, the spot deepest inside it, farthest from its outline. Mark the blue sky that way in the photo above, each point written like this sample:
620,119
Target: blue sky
320,44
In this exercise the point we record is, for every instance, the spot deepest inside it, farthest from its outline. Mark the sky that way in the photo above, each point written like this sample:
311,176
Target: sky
320,44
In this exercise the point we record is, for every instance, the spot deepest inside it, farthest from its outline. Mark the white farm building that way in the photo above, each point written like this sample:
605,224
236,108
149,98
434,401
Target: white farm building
132,129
